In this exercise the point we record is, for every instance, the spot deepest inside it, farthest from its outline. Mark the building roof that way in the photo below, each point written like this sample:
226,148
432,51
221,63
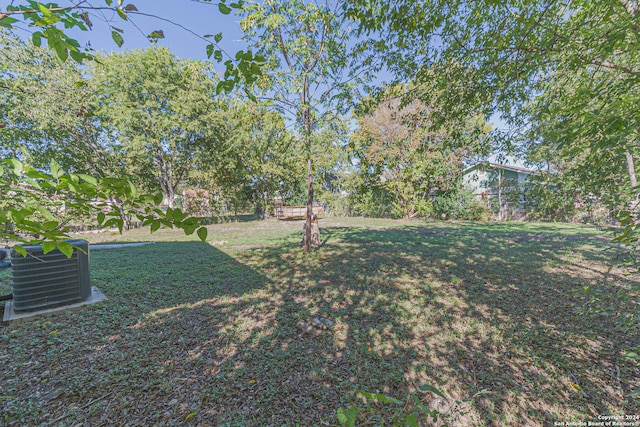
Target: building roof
499,166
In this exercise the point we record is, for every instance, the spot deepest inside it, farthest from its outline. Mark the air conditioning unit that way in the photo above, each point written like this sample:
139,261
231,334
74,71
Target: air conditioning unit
41,281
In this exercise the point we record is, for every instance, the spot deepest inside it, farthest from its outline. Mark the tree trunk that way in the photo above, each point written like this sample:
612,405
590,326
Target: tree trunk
314,240
170,197
309,219
126,224
631,168
265,201
306,240
235,210
499,195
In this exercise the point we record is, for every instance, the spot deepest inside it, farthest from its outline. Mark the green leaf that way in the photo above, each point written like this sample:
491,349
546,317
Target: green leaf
225,86
177,215
36,37
45,11
386,399
218,37
87,178
158,199
19,249
210,48
157,34
342,416
66,248
250,95
50,225
48,246
7,21
60,48
202,233
131,190
121,13
224,9
433,390
45,213
110,222
191,221
424,408
411,420
101,217
117,38
155,226
18,167
18,215
347,417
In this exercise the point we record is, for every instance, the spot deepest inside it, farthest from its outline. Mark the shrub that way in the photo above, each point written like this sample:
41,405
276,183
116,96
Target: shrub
460,204
478,212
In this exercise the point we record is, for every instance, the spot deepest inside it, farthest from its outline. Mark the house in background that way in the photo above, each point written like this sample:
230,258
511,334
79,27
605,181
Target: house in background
501,187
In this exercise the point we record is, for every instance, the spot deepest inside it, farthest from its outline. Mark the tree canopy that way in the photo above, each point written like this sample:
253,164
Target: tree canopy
411,156
305,46
563,72
162,109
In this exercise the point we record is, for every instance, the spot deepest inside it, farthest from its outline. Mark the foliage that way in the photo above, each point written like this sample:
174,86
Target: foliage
407,414
310,77
369,200
565,71
502,50
48,112
478,212
53,21
162,110
333,166
459,203
410,156
52,111
36,206
256,160
629,237
106,122
589,154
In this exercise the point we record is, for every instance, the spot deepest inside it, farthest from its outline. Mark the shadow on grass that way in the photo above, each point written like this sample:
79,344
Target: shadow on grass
511,319
494,317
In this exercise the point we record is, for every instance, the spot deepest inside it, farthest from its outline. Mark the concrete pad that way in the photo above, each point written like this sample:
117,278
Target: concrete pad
10,315
118,245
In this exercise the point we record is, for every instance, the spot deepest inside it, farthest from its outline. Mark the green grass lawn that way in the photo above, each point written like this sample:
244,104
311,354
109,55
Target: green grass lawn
516,323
